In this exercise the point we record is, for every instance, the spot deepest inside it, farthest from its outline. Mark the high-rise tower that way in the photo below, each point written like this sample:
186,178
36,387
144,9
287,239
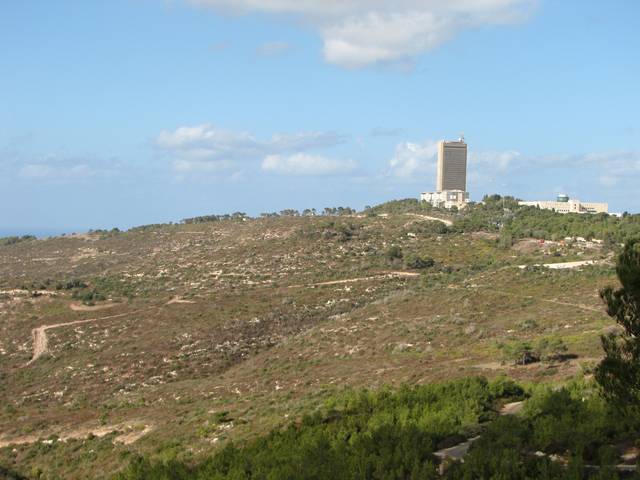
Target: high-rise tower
452,165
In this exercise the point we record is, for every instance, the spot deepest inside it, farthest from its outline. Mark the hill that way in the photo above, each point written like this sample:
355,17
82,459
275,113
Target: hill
169,341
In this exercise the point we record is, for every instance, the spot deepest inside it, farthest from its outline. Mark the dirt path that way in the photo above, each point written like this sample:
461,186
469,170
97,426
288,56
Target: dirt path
575,305
448,223
79,307
581,306
566,265
361,279
513,408
131,432
178,300
457,452
40,342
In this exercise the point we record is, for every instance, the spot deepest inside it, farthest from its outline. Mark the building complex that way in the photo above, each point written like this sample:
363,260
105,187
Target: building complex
451,183
564,204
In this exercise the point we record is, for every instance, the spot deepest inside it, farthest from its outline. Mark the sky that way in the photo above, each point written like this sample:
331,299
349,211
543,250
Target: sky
130,112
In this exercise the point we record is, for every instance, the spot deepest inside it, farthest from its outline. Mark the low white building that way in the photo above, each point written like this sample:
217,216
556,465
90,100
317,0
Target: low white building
446,198
564,204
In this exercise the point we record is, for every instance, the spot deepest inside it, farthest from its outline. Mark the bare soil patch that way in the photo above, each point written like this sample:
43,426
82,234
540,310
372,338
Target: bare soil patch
79,307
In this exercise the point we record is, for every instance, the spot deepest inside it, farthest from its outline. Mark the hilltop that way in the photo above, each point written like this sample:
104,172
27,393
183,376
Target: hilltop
170,340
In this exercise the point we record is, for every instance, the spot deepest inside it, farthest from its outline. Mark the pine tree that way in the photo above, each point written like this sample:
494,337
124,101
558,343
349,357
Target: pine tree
619,371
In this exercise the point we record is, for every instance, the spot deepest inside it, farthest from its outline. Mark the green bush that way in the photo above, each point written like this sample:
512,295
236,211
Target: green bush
394,253
385,434
416,262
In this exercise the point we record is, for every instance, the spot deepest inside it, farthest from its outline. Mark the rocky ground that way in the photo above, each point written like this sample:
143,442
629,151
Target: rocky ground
171,340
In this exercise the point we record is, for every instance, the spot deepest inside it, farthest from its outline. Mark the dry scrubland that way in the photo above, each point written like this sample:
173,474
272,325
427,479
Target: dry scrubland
201,333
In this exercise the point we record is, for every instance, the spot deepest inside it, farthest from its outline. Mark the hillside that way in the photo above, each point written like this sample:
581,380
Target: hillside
170,340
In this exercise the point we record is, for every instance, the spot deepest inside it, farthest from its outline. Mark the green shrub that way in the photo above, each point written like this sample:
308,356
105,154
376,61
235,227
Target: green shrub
416,262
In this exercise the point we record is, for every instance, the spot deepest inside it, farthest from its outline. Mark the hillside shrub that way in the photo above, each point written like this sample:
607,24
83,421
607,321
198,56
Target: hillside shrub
385,434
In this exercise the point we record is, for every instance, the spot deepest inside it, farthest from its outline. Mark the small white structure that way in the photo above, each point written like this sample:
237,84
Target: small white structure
446,198
564,204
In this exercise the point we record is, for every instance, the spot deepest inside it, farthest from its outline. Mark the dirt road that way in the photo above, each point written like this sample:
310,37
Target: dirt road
448,223
566,265
457,452
130,432
378,276
40,342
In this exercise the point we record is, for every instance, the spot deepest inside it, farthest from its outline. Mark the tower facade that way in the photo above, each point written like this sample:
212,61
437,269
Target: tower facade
452,166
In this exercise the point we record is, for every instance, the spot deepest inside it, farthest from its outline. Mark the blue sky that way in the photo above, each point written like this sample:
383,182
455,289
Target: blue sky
130,112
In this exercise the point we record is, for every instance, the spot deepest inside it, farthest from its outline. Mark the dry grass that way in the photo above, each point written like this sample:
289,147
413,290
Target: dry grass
203,319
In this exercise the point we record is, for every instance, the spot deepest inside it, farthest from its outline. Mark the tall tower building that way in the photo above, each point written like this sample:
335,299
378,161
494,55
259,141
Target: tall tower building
452,165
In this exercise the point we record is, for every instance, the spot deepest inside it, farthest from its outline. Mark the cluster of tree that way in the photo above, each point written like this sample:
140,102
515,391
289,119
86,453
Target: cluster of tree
538,223
333,230
104,233
149,227
406,205
49,283
287,212
545,349
417,262
70,284
565,433
359,435
562,434
429,227
395,256
489,216
215,218
333,211
619,372
89,296
290,212
8,474
13,240
496,213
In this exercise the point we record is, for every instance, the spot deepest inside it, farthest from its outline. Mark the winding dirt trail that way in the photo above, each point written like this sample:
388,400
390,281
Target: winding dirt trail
79,307
40,342
448,223
378,276
129,432
566,265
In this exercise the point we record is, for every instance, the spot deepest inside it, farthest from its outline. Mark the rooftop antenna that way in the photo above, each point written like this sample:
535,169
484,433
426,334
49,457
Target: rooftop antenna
461,139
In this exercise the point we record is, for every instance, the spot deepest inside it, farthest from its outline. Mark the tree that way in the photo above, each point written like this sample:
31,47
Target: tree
551,349
417,262
394,253
521,353
619,372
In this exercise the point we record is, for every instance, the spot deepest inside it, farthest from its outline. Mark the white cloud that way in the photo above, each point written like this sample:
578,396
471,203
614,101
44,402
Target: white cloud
202,166
210,142
359,33
414,160
60,167
385,132
209,149
580,173
39,170
494,159
272,49
510,170
306,164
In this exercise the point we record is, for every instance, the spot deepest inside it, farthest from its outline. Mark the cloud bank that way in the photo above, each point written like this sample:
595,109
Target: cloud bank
210,149
303,164
360,33
510,171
